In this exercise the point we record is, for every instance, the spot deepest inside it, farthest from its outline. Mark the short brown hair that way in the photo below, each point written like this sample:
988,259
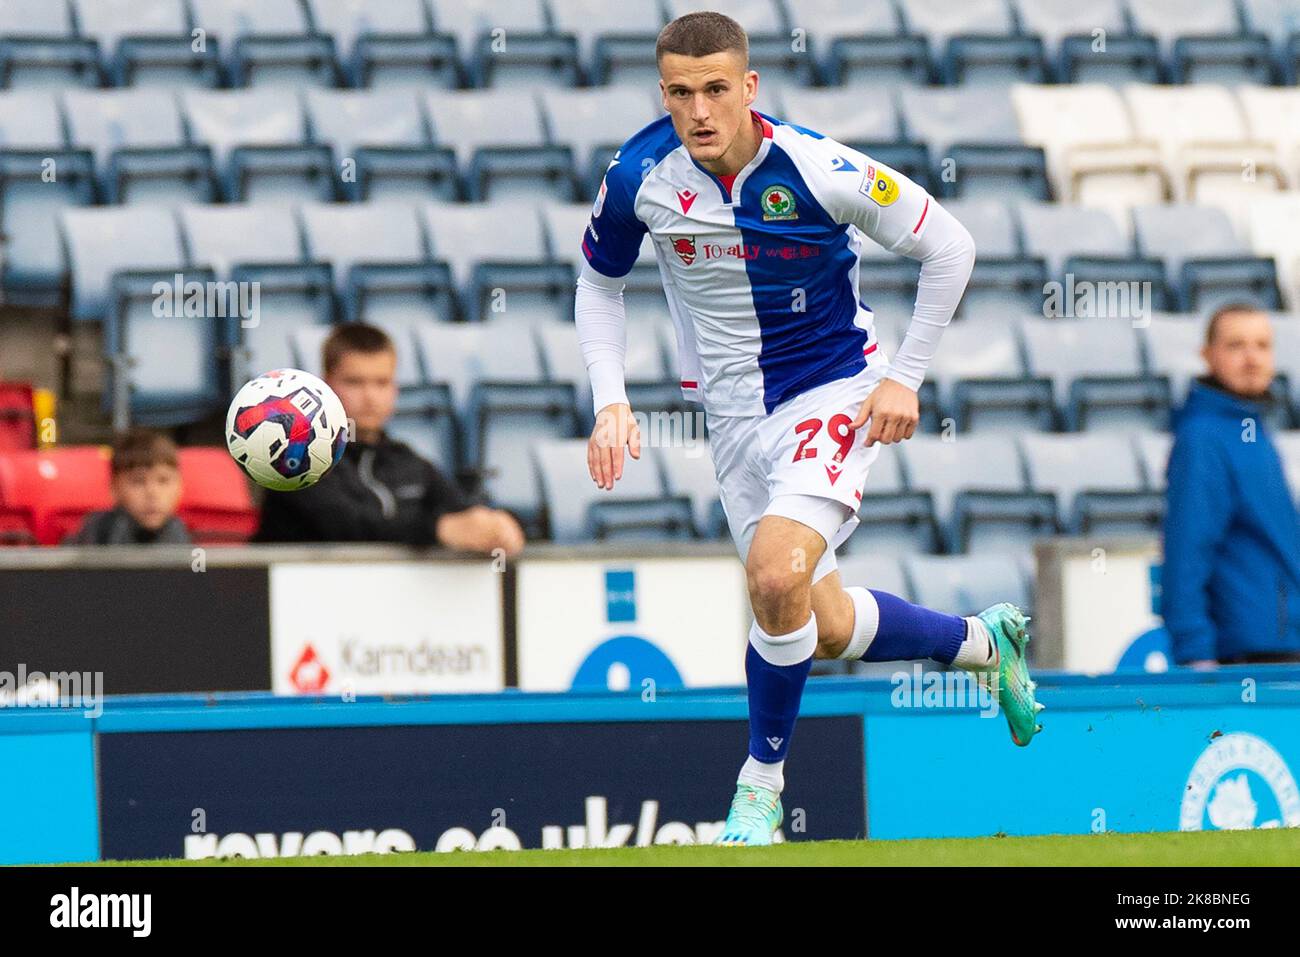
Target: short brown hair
1228,309
142,448
702,34
353,337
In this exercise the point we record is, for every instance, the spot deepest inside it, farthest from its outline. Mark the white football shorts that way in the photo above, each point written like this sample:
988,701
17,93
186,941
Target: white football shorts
803,461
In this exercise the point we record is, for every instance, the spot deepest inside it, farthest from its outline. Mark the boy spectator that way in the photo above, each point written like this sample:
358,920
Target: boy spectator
146,487
381,490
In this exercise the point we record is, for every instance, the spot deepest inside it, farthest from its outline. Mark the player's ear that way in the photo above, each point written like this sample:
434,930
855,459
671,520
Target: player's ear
751,86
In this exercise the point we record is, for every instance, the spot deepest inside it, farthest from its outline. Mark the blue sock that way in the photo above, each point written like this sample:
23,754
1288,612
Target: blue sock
776,676
907,632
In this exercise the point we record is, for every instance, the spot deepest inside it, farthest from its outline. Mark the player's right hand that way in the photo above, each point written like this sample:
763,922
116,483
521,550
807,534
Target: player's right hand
616,428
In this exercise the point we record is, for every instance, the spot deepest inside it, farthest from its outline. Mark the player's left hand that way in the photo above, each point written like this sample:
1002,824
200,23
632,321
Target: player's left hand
894,411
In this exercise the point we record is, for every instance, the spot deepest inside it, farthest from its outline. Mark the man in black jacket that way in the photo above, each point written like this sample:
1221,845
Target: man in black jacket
380,491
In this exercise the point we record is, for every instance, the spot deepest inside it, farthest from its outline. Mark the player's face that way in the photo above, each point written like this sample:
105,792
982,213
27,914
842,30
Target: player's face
366,383
708,98
1241,355
148,494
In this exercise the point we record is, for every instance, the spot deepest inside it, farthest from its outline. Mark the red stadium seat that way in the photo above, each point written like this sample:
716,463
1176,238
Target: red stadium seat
215,503
17,421
54,489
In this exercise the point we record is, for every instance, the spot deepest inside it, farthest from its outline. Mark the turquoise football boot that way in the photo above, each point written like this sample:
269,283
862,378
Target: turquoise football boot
1014,688
755,815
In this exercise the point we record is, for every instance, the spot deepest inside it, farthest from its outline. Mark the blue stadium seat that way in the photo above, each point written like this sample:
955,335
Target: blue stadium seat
1097,481
595,123
1090,42
504,403
976,42
381,145
896,520
39,48
267,41
220,237
967,584
1279,21
508,43
861,44
636,508
39,178
501,145
148,42
499,259
1097,373
979,490
1003,279
258,139
101,242
1205,260
878,572
974,140
1057,232
981,380
1203,41
139,144
387,44
615,42
689,474
773,52
1173,350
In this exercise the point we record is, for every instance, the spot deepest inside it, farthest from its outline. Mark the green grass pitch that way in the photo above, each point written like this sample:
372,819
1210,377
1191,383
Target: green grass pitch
1201,848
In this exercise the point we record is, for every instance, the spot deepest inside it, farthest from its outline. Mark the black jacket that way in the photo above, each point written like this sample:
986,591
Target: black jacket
116,527
378,492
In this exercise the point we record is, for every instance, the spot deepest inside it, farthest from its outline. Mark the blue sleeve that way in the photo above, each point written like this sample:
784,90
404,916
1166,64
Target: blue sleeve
1199,506
612,240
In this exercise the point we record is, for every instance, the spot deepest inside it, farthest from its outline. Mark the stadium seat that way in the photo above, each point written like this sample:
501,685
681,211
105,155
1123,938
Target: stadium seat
508,43
387,44
39,178
974,140
499,259
1205,143
219,237
39,48
979,490
258,139
267,42
862,44
17,417
967,584
101,242
1003,280
139,144
779,61
1204,259
878,572
1153,455
688,473
1058,232
1092,154
594,124
615,43
1203,42
1286,353
895,520
1173,347
381,145
871,125
215,502
981,380
1073,35
1288,450
636,508
1271,231
52,490
501,145
148,42
503,401
1272,116
1096,479
1096,371
1279,21
976,42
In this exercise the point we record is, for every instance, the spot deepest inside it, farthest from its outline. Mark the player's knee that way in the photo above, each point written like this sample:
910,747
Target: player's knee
777,586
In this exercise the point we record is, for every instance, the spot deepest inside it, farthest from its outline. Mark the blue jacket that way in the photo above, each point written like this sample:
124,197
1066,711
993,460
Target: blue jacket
1231,579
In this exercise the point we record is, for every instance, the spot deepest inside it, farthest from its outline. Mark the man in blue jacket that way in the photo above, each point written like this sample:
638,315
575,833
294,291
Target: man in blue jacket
1231,579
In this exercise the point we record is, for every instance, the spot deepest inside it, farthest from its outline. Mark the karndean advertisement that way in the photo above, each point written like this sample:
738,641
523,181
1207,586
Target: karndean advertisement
386,628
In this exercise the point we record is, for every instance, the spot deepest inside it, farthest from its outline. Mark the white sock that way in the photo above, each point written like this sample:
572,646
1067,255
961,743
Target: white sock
866,619
760,775
785,650
978,650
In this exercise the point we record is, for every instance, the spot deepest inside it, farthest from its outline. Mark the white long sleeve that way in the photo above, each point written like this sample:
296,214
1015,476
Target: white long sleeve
600,316
947,255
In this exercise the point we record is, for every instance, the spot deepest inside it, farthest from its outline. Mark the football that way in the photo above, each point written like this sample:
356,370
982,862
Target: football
286,429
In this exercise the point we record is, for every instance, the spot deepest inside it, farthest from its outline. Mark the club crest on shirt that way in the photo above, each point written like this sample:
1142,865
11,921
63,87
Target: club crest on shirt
778,203
879,187
684,247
